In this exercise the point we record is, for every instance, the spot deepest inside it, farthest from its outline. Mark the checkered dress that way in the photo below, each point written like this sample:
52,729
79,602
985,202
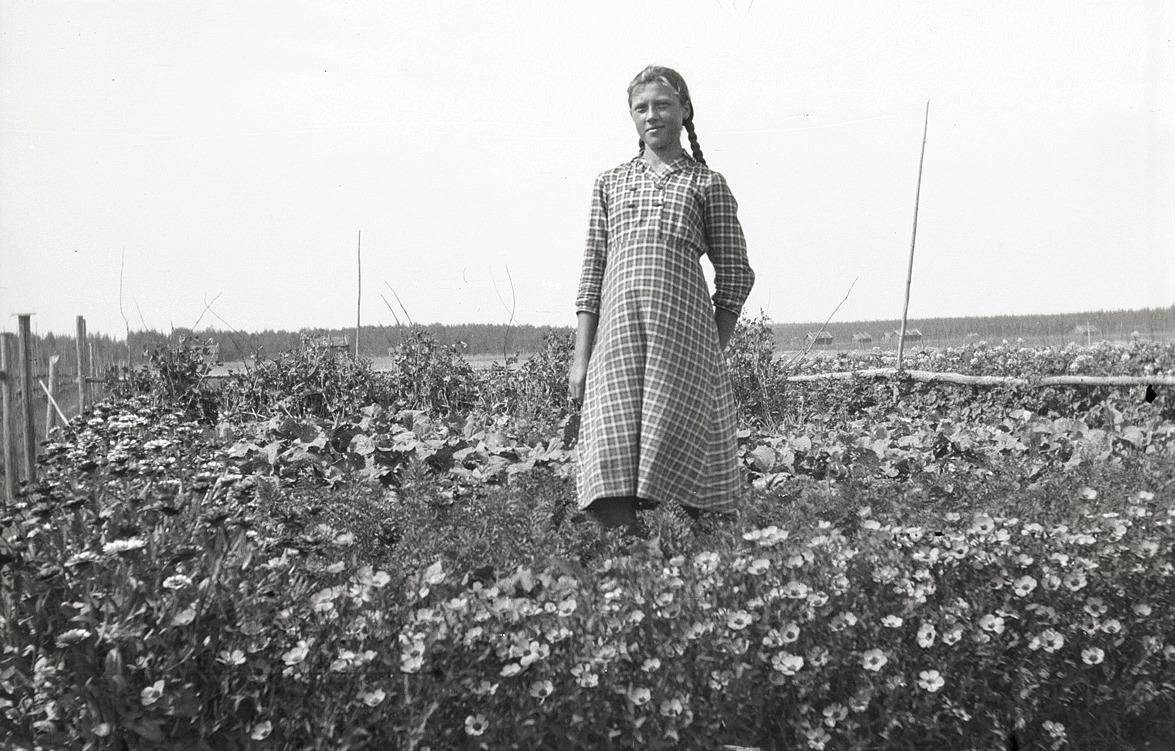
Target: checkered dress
658,412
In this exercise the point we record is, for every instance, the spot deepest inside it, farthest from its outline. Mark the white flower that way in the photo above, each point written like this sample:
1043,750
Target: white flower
151,694
926,635
795,590
435,574
1142,609
1024,586
738,620
706,562
584,677
123,546
297,653
787,663
891,621
476,724
639,696
261,730
671,708
651,664
992,623
874,659
178,581
834,713
1092,655
235,657
372,698
789,633
930,681
73,636
541,689
510,669
758,566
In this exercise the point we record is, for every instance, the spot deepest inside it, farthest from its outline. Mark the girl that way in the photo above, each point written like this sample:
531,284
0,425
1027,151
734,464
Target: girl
658,412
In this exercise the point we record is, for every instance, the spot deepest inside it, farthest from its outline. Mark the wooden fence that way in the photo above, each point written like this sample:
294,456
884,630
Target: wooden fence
36,395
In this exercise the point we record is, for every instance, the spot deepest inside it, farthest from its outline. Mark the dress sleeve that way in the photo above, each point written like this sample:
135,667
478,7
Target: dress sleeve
595,256
727,247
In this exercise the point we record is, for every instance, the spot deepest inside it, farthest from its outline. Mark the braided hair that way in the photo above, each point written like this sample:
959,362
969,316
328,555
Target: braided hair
672,79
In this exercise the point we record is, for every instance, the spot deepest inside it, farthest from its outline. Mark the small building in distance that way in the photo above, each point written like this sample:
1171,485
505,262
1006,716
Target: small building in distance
818,339
337,344
1086,329
862,337
912,335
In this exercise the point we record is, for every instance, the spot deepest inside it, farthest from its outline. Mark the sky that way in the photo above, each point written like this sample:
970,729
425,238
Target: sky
165,163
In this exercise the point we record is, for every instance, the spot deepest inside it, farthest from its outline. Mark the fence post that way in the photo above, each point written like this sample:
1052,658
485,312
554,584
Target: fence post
50,414
7,373
26,385
81,348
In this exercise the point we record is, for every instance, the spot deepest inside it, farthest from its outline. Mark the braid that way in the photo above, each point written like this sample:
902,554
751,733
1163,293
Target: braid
693,140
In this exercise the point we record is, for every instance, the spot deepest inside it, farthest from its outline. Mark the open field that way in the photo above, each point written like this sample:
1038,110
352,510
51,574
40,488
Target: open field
321,556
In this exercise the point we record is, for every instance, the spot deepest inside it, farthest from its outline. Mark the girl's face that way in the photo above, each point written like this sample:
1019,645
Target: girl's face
658,114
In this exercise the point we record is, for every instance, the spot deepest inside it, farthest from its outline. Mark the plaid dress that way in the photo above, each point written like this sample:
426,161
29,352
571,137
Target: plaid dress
658,412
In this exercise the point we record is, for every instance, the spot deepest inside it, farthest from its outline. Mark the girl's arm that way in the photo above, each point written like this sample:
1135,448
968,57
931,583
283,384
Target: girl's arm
727,248
585,339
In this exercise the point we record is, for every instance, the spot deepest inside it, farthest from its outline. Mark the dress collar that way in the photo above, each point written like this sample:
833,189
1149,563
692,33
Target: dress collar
676,165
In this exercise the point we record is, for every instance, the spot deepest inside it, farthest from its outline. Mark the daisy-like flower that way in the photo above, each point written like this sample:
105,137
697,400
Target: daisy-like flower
1141,609
738,620
510,669
650,665
535,651
817,738
1048,640
758,567
297,653
1145,548
1075,580
706,562
541,689
184,617
178,581
639,696
567,607
73,636
373,698
261,730
930,681
992,623
118,547
235,657
671,708
834,713
891,621
82,558
1024,586
787,663
1095,606
982,524
1169,652
1111,626
874,660
584,676
151,694
795,590
476,724
1092,656
926,635
789,633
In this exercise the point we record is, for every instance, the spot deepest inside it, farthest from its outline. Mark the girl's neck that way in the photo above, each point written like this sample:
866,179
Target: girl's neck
658,158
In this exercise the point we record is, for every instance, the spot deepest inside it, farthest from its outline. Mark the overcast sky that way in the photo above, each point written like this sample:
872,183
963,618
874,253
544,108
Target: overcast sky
234,150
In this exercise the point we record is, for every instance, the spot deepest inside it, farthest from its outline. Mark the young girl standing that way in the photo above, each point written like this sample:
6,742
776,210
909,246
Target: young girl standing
658,420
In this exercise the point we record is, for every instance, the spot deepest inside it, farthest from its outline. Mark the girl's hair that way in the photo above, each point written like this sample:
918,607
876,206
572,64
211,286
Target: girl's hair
672,79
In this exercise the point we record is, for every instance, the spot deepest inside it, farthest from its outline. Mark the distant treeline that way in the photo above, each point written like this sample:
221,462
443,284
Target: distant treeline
1150,323
472,338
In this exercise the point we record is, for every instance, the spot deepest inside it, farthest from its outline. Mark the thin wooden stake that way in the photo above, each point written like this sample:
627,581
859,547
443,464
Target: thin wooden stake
6,381
50,390
81,350
358,288
913,237
26,387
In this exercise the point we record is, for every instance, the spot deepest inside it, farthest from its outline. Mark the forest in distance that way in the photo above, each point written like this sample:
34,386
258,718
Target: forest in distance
501,340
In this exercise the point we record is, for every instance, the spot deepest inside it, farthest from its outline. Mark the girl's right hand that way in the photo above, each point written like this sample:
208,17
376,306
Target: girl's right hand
576,382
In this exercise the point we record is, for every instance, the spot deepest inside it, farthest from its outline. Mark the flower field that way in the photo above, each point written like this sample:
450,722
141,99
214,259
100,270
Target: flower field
315,555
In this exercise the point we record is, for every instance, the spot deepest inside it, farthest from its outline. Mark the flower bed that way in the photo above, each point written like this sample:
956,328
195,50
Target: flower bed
391,579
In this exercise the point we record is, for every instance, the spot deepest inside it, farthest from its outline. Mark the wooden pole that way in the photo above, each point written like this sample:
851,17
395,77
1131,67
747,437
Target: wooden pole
51,391
358,288
81,349
26,387
914,236
6,381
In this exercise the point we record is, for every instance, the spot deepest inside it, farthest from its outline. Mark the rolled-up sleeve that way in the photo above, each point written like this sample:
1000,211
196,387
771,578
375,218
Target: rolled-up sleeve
595,255
727,247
